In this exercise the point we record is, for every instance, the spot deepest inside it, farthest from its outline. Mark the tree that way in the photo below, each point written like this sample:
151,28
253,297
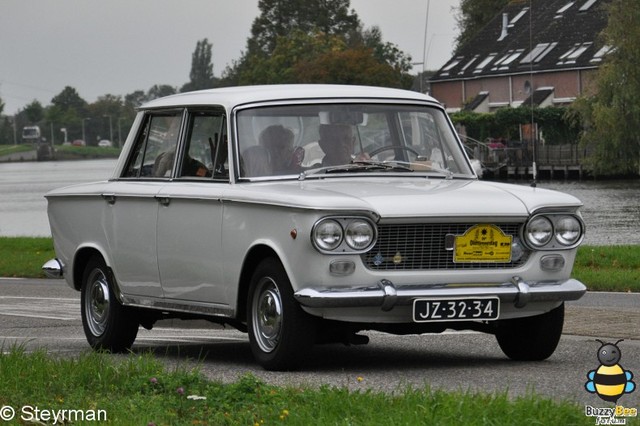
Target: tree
279,18
474,15
160,90
611,117
201,75
68,109
290,37
351,66
34,112
69,99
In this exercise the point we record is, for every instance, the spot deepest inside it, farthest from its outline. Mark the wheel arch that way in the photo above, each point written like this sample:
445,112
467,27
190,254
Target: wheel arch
255,255
82,256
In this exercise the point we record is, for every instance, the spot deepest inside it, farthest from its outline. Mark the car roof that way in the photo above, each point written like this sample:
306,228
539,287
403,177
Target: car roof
232,96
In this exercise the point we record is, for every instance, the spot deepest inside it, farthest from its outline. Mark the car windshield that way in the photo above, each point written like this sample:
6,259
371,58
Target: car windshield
316,140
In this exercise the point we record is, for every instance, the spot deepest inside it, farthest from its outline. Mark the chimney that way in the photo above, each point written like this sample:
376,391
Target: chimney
505,26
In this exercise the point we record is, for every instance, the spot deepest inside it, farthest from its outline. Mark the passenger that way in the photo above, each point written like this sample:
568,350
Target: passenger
256,162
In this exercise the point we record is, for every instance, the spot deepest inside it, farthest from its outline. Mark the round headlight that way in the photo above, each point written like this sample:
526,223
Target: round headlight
328,235
539,231
359,234
568,230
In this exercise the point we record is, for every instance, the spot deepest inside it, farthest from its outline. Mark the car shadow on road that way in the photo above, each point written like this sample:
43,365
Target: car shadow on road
393,352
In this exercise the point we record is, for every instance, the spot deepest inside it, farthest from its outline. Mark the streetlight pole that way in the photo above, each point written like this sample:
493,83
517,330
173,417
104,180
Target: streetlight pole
110,128
120,132
83,135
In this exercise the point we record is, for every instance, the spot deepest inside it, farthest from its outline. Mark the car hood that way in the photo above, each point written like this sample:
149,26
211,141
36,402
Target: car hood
399,197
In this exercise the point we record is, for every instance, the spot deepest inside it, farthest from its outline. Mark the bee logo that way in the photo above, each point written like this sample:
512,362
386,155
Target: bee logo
610,381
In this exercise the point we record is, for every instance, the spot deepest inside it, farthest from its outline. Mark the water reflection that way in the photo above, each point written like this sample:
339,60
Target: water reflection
23,210
611,208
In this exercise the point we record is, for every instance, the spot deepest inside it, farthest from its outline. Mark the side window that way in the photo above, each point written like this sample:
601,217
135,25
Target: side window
154,152
206,146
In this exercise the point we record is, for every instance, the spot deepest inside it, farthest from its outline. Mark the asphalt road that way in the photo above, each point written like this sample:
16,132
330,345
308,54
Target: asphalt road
46,313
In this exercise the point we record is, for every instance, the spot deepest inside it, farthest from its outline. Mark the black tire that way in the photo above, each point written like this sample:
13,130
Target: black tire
281,334
531,338
107,324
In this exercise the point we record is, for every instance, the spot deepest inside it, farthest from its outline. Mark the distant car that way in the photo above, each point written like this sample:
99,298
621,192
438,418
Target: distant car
104,143
307,214
78,142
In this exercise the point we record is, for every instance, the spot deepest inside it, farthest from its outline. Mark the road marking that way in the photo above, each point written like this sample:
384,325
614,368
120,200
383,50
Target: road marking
51,308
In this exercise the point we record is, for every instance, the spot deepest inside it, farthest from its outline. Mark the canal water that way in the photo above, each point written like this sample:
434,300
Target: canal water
611,208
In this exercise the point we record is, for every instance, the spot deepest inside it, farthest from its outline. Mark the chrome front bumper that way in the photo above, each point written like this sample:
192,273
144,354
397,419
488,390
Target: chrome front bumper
386,295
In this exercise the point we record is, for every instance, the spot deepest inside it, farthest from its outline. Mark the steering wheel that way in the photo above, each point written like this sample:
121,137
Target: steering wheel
394,147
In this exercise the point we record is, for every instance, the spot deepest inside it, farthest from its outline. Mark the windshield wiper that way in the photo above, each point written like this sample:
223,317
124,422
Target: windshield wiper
357,166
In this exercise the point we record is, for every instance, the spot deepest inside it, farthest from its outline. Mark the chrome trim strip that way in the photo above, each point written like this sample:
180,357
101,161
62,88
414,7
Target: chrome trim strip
386,295
189,307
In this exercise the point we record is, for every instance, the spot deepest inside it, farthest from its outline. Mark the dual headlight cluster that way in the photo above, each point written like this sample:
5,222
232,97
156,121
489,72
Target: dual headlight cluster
553,231
343,234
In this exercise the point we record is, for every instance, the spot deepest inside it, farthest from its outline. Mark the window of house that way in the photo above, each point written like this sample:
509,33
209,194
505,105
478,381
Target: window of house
518,16
564,9
450,66
504,62
468,64
601,53
538,53
574,53
485,62
587,5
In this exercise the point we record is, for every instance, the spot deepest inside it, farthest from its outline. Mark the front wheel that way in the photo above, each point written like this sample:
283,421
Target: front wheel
281,334
107,324
531,338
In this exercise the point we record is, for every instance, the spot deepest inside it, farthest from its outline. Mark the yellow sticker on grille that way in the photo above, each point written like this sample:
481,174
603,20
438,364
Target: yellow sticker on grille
483,243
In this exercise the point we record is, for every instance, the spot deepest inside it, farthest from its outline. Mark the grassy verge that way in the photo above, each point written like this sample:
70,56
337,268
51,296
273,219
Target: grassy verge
139,390
610,268
85,152
10,149
24,257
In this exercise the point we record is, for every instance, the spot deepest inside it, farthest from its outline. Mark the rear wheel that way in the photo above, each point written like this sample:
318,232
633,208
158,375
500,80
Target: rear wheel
107,324
531,338
281,334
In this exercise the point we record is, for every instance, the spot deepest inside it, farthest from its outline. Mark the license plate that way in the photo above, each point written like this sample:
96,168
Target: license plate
477,308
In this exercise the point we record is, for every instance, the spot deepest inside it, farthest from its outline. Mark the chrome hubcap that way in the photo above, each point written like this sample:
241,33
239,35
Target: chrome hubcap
267,315
96,303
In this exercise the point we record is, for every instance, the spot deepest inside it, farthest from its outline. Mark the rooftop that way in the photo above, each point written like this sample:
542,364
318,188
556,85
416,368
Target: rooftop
533,36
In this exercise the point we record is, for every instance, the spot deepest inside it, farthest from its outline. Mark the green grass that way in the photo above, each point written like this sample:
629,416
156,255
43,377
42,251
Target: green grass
137,389
610,268
10,149
76,152
24,257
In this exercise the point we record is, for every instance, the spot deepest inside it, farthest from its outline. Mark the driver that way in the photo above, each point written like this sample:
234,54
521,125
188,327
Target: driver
338,142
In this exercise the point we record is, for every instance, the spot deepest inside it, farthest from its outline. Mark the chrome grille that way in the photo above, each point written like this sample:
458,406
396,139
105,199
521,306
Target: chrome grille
422,246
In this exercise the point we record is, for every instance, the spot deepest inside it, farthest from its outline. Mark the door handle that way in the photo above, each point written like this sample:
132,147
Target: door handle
165,201
109,198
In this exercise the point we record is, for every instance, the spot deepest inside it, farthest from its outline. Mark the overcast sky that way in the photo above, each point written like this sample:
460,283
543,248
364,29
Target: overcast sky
118,46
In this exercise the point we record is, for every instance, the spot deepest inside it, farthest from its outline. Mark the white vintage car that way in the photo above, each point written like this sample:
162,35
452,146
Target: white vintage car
306,214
